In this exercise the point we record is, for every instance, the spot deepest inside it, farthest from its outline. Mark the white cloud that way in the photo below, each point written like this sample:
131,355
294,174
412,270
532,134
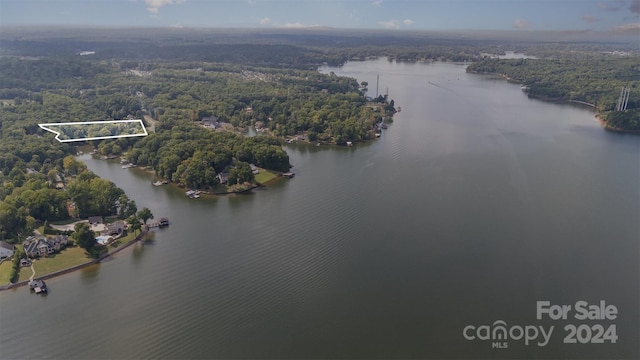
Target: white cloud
407,21
153,6
391,24
377,3
177,26
264,21
521,24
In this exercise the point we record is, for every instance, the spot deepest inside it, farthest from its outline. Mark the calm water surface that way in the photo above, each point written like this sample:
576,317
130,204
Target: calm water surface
474,204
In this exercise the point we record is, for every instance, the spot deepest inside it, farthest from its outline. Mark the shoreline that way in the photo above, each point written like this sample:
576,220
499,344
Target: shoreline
602,122
150,171
71,269
608,127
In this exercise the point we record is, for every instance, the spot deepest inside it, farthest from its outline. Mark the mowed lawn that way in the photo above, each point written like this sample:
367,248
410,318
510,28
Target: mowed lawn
5,271
68,257
264,176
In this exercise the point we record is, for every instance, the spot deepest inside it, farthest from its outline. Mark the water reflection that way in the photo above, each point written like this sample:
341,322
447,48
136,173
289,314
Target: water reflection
90,273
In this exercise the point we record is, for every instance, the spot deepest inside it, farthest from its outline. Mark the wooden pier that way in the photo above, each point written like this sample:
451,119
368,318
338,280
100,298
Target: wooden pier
162,223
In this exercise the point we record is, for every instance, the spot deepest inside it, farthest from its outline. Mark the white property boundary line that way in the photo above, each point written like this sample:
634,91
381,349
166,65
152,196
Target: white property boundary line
46,127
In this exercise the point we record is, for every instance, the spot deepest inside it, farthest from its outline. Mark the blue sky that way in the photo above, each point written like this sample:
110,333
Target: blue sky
362,14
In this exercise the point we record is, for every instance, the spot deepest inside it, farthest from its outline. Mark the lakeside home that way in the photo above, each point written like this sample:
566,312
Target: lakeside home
6,250
42,246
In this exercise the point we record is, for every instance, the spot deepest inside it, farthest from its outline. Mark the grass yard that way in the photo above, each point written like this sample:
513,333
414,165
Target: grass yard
68,257
5,271
123,240
264,176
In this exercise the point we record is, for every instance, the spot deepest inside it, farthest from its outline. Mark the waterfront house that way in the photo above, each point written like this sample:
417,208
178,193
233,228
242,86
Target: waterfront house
42,246
95,220
58,242
117,228
223,177
6,250
38,247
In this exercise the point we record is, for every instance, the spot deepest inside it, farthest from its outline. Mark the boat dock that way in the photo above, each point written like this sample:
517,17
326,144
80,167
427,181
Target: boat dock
162,223
38,286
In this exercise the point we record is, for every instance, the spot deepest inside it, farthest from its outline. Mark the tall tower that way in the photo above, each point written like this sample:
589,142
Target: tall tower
623,99
377,83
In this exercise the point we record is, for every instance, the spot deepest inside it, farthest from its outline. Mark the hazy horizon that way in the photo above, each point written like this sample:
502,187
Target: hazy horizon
615,16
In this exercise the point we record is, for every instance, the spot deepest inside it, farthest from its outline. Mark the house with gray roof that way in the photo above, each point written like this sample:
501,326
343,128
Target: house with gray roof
6,250
95,220
42,246
117,228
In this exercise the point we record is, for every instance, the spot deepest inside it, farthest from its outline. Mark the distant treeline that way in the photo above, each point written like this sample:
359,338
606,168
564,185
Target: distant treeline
299,48
593,80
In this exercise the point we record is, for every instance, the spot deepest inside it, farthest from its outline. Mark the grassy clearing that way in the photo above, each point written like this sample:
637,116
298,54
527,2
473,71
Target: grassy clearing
25,273
5,271
68,257
264,176
123,240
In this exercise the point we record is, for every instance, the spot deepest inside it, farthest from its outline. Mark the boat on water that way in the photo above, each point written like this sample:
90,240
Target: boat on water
193,194
159,182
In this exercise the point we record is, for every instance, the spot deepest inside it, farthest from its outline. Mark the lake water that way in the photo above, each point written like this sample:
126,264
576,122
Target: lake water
474,205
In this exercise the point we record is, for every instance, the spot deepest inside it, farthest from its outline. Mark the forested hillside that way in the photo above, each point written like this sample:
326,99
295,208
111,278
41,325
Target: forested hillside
595,80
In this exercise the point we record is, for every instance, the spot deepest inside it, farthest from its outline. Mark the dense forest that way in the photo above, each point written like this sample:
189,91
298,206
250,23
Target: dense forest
190,155
595,80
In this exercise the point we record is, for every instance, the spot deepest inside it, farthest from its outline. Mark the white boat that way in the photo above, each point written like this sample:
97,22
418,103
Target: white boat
158,183
193,194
